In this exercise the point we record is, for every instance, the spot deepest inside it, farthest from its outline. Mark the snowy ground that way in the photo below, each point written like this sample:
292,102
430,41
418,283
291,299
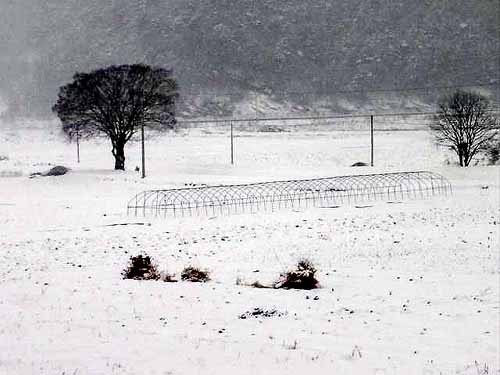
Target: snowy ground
408,288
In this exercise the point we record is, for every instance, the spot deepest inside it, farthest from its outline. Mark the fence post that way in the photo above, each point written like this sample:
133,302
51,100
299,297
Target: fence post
371,140
143,153
232,143
78,144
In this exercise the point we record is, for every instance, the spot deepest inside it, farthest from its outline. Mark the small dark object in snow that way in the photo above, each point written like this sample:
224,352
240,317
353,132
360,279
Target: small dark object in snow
58,170
359,164
194,274
261,313
303,277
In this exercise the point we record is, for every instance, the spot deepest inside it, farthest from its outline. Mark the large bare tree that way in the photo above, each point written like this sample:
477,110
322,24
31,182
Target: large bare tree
465,124
117,101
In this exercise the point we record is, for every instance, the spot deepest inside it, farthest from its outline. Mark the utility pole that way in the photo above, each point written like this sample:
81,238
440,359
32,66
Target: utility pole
78,144
143,153
371,139
232,144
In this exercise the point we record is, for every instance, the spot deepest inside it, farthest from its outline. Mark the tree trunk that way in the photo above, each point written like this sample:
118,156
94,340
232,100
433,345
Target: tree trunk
467,158
461,150
119,154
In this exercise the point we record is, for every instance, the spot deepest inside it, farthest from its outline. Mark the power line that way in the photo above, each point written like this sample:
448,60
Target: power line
311,118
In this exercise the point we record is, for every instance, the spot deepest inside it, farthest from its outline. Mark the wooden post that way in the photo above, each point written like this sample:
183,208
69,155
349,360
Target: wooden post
143,153
232,144
371,140
78,144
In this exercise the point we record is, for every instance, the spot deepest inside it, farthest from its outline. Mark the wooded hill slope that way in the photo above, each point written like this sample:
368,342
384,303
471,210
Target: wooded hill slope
274,47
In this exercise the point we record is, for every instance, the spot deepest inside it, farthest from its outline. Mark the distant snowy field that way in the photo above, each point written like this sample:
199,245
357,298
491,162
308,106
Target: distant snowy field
408,288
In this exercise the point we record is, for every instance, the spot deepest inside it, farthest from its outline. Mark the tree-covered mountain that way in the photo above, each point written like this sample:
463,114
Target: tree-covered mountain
327,48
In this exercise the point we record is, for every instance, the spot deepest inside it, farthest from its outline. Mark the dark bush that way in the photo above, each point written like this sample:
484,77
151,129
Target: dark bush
195,275
302,277
141,267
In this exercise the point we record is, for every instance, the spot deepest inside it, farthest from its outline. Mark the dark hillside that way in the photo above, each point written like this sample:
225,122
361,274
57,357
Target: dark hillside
277,47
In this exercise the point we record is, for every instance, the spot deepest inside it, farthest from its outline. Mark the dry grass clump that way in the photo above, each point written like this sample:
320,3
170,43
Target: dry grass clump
142,267
302,277
195,275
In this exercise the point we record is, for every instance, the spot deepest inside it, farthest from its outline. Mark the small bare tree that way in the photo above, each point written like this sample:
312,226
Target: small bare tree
465,124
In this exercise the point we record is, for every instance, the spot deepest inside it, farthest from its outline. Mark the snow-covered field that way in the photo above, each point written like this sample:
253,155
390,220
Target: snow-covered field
407,288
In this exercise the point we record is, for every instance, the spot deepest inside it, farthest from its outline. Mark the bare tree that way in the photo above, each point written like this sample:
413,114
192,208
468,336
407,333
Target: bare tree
465,124
117,101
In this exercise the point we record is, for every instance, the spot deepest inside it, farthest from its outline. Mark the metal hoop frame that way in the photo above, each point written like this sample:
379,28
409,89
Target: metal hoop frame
292,194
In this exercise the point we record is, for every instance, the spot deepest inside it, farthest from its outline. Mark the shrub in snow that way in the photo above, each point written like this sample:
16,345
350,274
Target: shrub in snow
302,277
194,274
141,267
